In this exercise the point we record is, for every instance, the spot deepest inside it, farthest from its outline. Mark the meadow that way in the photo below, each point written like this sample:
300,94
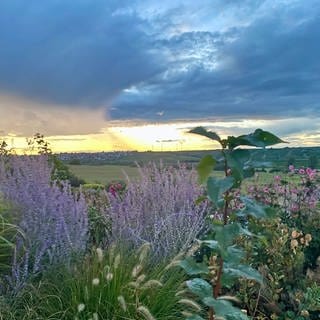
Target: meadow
104,174
175,241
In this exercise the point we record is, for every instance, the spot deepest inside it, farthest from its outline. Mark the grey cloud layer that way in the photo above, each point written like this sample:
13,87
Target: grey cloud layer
270,67
177,60
72,52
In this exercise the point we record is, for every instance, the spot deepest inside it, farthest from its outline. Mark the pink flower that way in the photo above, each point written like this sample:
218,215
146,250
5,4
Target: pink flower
291,167
112,190
311,173
302,171
277,178
294,207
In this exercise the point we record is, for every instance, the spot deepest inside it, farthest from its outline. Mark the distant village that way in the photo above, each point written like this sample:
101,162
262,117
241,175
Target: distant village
93,158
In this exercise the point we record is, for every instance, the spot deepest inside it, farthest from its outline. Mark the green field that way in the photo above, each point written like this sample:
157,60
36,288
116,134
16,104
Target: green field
105,173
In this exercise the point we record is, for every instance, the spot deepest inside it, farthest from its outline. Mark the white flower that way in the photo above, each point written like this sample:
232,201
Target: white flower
109,276
95,281
95,316
99,254
81,307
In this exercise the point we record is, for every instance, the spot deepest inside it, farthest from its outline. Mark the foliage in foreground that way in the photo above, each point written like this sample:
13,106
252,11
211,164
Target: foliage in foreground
107,284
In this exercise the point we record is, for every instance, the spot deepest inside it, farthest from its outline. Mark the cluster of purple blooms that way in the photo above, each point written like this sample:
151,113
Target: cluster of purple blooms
52,218
160,208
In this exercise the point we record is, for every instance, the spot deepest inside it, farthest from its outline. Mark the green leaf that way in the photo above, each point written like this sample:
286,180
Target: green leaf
205,168
236,161
200,287
212,244
234,142
263,139
259,138
217,187
254,209
241,156
224,309
234,254
191,267
205,133
237,176
243,271
248,172
225,235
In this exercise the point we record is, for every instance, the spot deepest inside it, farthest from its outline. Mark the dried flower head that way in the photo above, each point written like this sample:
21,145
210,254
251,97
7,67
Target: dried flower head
295,234
294,244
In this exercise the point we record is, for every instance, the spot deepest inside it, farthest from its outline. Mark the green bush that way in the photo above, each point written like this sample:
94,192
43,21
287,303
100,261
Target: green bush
278,253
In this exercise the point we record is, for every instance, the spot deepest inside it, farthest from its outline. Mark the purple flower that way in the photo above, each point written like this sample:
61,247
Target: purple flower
53,219
159,208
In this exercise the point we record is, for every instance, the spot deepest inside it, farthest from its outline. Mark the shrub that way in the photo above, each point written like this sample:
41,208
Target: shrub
53,219
297,198
159,208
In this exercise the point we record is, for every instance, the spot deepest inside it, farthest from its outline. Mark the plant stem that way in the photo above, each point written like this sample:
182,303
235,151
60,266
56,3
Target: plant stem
217,288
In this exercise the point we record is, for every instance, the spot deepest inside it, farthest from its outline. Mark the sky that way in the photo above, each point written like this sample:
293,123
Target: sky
139,74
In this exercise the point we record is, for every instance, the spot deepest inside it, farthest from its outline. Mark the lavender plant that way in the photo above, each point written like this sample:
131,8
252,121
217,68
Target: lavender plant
53,219
159,208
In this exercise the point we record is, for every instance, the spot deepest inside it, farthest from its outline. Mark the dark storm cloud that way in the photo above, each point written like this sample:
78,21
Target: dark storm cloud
269,68
72,52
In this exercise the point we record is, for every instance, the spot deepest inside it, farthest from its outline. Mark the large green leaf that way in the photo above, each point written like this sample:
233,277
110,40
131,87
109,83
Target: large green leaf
241,167
225,235
217,187
224,309
234,142
237,175
254,209
234,254
259,138
241,156
206,133
200,287
205,168
191,267
242,271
